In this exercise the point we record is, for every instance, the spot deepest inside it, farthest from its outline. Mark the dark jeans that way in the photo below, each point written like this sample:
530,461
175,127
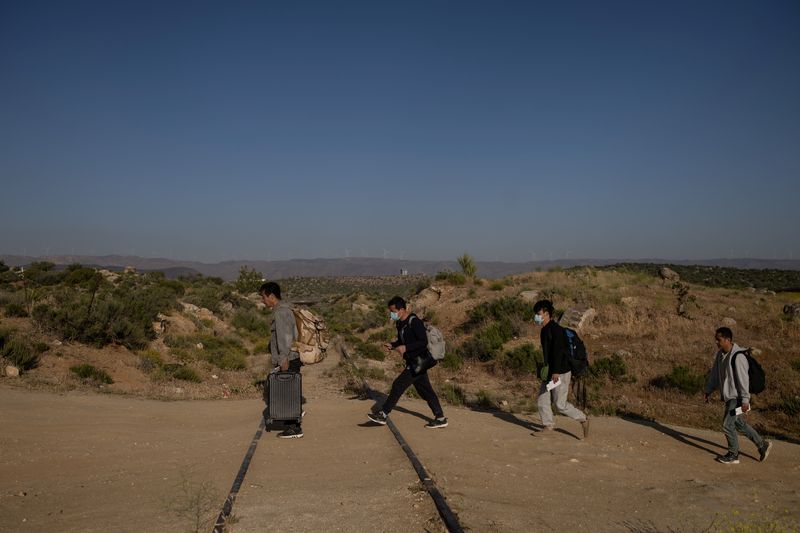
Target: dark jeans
294,366
423,386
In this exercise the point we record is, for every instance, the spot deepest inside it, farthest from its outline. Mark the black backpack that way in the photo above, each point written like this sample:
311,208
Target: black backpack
578,358
755,374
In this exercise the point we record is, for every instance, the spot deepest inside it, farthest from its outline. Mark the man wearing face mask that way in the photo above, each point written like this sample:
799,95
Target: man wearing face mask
411,343
559,374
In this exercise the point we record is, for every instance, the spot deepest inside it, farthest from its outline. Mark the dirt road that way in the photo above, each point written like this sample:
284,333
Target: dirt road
91,462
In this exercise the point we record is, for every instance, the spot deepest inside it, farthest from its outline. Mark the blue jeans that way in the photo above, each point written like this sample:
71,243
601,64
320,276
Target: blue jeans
731,422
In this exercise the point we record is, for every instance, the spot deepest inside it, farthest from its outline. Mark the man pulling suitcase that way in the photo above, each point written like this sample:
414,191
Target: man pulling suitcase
283,390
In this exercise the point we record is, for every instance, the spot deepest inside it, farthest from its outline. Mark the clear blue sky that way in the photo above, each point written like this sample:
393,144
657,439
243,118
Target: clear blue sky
511,130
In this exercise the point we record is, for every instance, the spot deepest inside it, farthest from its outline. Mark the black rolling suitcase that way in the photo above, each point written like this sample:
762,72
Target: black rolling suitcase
285,398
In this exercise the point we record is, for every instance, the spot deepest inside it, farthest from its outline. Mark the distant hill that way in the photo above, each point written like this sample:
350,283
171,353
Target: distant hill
361,266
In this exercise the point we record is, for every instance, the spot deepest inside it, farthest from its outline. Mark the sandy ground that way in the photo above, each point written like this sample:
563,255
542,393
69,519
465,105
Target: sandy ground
93,462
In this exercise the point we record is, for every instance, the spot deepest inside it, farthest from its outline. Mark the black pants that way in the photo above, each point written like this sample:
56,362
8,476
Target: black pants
423,386
294,366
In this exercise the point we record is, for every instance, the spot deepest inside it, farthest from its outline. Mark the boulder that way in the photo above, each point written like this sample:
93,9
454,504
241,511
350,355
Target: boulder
361,307
728,321
190,308
756,352
12,371
426,297
630,301
226,307
529,296
111,277
622,353
667,274
577,318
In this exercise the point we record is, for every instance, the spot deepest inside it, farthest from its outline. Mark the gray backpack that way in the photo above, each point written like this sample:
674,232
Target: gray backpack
435,340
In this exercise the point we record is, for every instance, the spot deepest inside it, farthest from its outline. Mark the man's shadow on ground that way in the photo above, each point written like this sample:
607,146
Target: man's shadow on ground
684,438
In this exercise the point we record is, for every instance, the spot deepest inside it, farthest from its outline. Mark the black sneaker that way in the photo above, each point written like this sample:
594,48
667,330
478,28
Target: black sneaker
763,452
437,423
291,433
729,458
379,418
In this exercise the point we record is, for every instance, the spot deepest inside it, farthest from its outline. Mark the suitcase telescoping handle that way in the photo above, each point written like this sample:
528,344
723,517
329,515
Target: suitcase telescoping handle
284,376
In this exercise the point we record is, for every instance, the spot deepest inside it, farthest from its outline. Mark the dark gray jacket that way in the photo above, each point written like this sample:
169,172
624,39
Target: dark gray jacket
283,333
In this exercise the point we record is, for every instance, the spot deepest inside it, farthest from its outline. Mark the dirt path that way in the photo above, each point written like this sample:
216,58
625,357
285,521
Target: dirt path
98,462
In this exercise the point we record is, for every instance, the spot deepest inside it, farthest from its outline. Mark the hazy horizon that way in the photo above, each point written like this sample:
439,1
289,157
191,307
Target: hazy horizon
513,131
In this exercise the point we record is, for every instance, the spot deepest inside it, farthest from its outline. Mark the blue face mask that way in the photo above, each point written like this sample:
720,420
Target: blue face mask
538,319
394,316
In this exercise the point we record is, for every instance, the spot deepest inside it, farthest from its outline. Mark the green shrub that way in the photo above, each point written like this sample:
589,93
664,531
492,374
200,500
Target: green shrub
40,347
249,280
15,310
226,360
525,359
387,334
682,378
454,278
789,405
150,360
20,354
796,364
252,321
468,266
614,367
107,314
452,394
370,351
496,286
91,373
186,373
509,309
486,400
452,360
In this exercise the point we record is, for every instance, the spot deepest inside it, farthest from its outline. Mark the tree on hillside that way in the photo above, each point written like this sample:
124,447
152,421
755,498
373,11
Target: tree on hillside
468,266
249,280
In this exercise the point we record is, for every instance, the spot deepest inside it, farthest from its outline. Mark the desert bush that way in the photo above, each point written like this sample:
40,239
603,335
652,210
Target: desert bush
186,373
795,364
91,373
40,347
525,359
369,351
789,405
366,372
106,314
486,400
14,309
252,321
150,360
452,394
468,266
19,353
387,334
249,280
225,360
453,278
452,360
473,293
496,286
501,309
682,378
5,336
614,367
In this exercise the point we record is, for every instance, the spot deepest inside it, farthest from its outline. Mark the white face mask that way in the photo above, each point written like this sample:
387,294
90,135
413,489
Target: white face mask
538,319
394,316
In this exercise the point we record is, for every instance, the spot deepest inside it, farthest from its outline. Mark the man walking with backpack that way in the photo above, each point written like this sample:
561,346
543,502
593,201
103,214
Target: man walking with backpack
283,332
557,376
730,374
412,344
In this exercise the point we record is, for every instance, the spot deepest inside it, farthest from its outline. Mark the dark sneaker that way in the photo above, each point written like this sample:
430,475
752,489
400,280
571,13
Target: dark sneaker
763,452
379,418
437,423
585,426
291,433
729,458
